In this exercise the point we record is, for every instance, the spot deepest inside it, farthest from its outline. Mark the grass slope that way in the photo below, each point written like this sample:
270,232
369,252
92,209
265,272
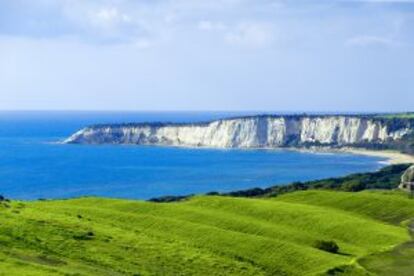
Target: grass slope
407,115
392,207
204,235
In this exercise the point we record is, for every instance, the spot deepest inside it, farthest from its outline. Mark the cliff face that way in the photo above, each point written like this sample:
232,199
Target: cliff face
251,132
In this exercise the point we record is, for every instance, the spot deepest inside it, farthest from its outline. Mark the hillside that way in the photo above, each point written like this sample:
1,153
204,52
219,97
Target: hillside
205,235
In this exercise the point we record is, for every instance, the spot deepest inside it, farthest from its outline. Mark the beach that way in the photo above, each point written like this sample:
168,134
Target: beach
393,157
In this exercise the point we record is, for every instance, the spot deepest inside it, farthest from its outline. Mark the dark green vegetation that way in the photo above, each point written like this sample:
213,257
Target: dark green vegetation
206,235
328,246
406,115
387,178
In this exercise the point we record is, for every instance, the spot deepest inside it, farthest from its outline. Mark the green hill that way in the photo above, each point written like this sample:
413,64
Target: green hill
387,206
206,235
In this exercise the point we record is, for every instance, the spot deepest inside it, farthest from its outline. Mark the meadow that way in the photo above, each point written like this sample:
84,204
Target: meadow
205,235
405,115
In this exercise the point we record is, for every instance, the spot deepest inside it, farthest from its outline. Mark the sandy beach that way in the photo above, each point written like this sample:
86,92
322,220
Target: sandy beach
393,157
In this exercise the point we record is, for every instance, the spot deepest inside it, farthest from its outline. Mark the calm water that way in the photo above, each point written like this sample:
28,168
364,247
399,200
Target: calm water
32,167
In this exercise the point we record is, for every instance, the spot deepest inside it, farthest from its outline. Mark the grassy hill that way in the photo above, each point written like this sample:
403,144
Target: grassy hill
206,235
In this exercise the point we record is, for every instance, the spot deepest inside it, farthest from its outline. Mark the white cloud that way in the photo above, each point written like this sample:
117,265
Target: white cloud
109,16
193,50
250,35
105,24
255,35
129,21
110,22
370,40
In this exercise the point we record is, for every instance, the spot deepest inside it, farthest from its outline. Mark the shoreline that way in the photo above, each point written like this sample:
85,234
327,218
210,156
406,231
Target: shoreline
393,157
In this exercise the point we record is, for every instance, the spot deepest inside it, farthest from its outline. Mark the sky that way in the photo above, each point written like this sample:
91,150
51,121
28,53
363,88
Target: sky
223,55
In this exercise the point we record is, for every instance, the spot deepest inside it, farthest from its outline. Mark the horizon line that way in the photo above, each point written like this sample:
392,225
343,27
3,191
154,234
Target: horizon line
200,111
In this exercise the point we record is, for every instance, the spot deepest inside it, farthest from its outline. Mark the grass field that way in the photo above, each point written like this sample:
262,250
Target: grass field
206,235
407,115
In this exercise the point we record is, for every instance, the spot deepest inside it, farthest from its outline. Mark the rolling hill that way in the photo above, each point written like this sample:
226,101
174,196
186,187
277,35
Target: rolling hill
203,235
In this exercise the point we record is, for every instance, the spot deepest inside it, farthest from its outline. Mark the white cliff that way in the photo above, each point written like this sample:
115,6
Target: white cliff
249,132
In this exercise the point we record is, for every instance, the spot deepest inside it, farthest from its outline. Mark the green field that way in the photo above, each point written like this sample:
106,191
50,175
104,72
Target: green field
406,115
207,235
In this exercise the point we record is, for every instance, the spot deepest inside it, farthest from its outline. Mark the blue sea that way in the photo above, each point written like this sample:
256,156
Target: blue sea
33,165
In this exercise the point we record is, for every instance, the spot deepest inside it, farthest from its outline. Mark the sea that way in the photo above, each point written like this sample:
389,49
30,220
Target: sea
33,165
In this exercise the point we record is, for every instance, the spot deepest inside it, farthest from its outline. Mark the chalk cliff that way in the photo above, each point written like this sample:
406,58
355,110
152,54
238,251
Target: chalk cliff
252,132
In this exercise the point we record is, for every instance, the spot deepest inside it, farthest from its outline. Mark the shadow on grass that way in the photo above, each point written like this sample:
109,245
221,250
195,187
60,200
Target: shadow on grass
344,254
399,261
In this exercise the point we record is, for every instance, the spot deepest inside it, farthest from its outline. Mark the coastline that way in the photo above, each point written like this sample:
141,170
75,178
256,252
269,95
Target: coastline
393,157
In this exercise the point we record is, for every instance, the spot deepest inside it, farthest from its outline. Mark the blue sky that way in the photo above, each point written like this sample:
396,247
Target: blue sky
263,55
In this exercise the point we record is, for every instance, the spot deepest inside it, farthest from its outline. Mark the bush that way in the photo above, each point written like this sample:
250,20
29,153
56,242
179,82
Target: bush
84,236
213,194
167,199
328,246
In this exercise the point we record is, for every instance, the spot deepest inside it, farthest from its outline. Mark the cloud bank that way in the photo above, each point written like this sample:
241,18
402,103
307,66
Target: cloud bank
196,54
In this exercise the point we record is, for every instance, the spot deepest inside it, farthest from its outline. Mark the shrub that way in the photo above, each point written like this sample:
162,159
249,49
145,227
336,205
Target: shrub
213,194
84,236
165,199
328,246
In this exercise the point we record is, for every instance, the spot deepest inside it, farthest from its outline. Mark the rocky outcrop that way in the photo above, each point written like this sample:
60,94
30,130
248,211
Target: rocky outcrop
252,132
407,180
